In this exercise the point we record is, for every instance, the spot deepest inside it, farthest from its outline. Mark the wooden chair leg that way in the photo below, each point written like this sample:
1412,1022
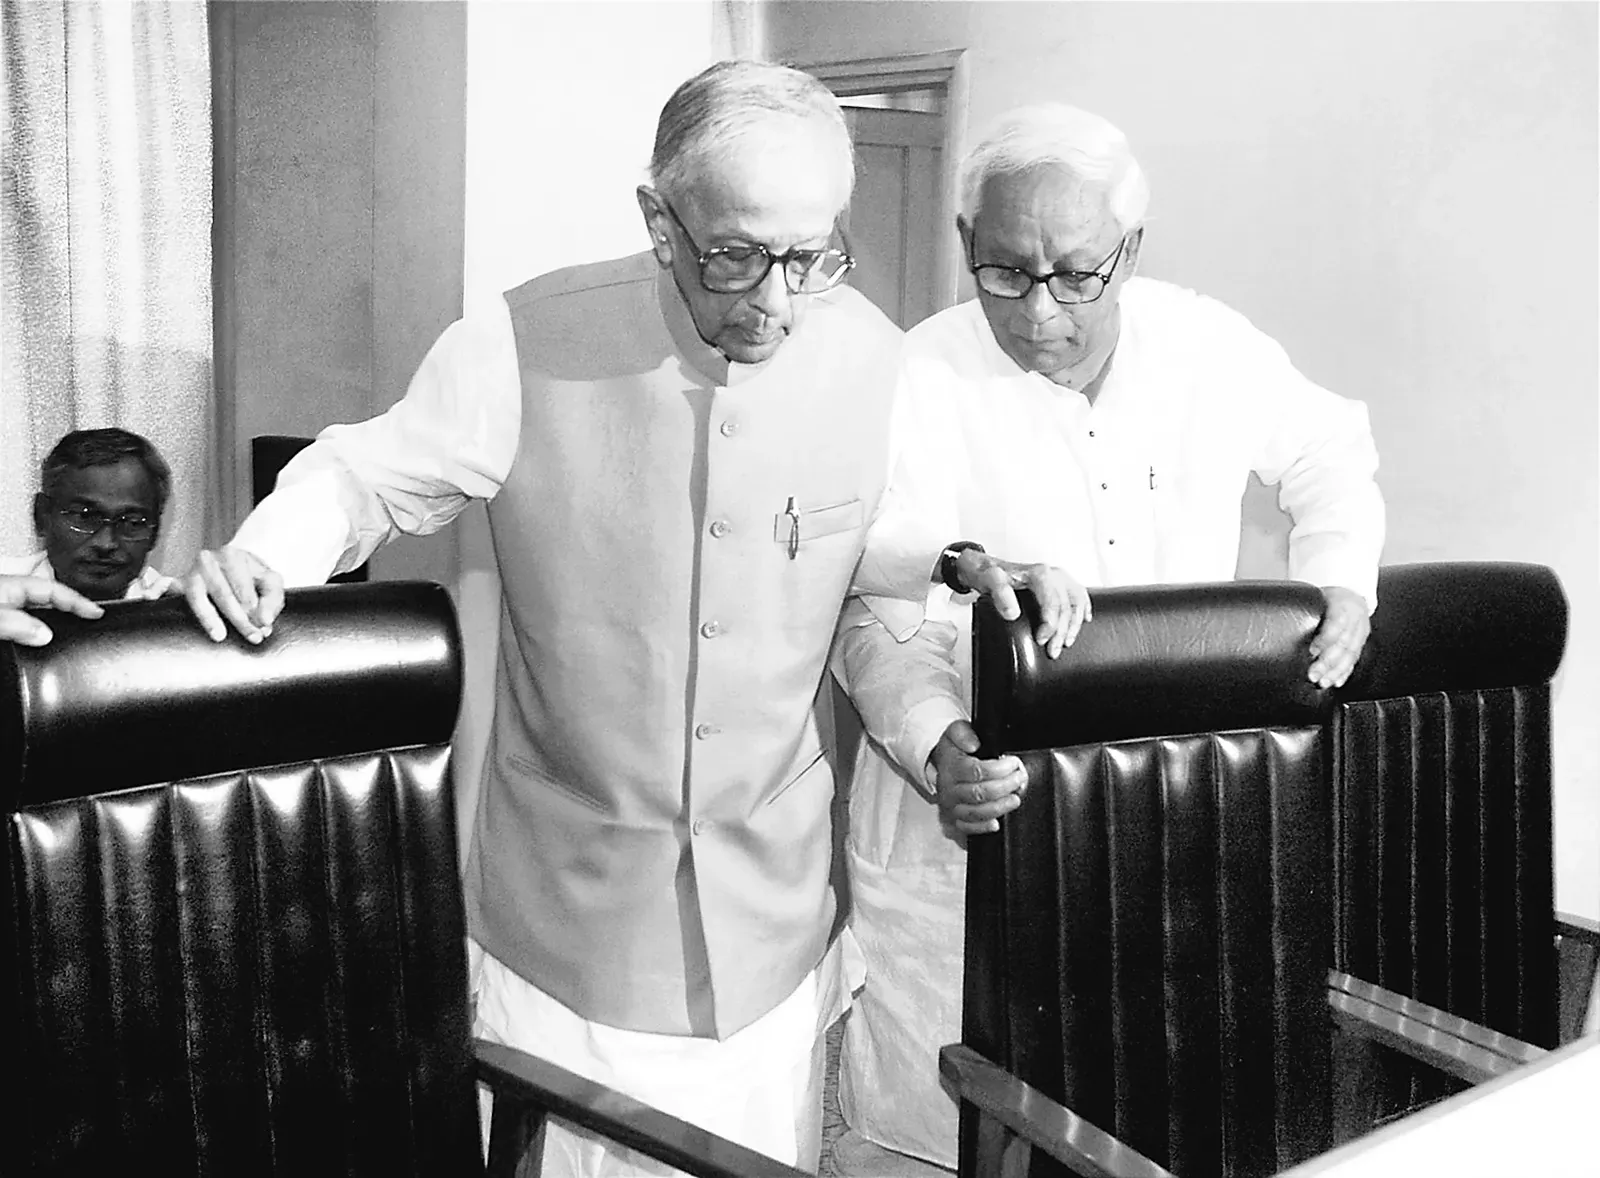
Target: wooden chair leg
1357,1074
516,1137
1002,1153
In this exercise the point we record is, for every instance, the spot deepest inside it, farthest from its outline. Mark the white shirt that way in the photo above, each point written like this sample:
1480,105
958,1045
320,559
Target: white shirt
147,586
1141,487
457,425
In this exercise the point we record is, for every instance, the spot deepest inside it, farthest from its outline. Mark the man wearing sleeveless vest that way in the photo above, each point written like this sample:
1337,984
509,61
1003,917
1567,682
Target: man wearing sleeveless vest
682,451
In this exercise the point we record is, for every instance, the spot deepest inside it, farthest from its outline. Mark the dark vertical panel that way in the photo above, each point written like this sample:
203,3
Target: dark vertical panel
1392,862
148,1067
433,927
366,1053
1133,836
1429,901
1359,728
1537,991
1190,899
58,865
1298,784
1083,945
296,966
1463,900
214,856
1247,1028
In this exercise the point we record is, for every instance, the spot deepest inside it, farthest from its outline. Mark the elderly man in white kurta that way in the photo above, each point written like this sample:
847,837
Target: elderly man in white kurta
1077,415
682,451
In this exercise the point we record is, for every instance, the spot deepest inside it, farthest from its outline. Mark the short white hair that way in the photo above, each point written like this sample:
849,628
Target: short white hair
730,100
1053,134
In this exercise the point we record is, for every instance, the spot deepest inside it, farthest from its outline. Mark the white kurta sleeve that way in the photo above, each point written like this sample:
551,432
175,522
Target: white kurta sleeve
451,439
893,654
1318,448
907,691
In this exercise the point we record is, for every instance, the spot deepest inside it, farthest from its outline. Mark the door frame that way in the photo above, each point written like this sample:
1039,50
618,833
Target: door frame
944,71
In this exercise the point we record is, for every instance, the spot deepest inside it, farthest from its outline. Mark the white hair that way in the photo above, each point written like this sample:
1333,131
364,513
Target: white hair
727,101
1053,134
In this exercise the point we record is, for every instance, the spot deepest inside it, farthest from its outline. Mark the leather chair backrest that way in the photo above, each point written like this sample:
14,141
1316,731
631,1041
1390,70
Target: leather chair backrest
233,937
1443,801
1149,933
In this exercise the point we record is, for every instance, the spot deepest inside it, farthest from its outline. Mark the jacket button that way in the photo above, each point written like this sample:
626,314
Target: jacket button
728,428
705,731
720,528
711,629
700,826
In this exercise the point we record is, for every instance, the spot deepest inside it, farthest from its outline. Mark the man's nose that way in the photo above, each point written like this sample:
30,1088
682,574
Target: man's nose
772,297
105,537
1039,305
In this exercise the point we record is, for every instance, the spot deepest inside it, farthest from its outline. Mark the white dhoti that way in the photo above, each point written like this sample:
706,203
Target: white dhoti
760,1087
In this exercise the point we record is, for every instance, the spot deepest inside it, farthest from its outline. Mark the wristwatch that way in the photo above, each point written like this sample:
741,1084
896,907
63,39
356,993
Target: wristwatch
947,564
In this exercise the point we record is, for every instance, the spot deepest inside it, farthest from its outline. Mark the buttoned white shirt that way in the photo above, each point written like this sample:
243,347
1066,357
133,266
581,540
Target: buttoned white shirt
1142,486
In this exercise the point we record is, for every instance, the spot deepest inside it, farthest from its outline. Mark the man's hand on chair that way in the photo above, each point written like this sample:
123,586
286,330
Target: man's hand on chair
18,593
1338,641
974,794
237,585
1064,604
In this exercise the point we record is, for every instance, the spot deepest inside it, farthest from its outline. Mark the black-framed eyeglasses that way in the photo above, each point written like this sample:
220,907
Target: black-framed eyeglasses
734,269
86,521
1067,287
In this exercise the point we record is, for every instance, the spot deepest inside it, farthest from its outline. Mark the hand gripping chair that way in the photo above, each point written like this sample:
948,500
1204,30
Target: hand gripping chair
233,939
1149,937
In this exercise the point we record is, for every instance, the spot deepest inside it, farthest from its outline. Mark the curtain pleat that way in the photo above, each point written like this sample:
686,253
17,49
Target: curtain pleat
105,228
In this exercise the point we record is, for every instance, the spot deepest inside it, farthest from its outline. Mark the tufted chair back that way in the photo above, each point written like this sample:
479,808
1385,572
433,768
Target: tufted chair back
1148,935
1443,842
233,933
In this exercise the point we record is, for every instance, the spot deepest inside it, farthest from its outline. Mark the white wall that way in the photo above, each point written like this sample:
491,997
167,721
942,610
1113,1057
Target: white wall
1404,195
562,99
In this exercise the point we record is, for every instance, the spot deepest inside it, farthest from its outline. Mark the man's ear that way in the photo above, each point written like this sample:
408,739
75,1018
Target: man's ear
1135,240
964,231
653,206
41,513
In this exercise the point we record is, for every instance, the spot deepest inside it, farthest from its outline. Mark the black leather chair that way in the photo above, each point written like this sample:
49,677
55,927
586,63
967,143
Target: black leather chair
1149,937
233,940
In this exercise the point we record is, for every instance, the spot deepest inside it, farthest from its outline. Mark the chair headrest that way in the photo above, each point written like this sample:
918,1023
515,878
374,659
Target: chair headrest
142,696
1169,659
1156,660
1461,626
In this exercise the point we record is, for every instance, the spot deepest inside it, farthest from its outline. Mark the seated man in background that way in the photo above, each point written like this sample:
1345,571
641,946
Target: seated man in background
98,513
681,451
1073,414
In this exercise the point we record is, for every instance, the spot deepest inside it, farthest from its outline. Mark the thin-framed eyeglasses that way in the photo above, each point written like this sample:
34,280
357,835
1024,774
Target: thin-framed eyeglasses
1067,287
734,269
87,521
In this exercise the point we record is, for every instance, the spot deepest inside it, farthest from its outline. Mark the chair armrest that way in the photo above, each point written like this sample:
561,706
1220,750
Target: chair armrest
1080,1146
553,1090
1578,928
1435,1037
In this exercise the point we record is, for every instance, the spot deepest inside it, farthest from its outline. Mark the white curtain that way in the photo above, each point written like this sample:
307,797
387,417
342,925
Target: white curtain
105,228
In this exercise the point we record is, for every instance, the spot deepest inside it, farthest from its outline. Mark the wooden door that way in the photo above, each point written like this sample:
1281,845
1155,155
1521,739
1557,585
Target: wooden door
893,222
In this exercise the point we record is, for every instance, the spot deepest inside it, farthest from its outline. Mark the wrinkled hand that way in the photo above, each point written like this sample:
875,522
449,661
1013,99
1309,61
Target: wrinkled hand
1063,603
1338,641
973,794
18,593
234,584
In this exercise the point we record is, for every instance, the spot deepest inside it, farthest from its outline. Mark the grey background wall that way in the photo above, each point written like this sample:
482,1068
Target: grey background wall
1404,196
343,140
